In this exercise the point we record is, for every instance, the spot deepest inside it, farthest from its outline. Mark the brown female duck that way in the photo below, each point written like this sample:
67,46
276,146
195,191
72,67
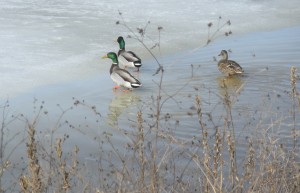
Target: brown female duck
228,67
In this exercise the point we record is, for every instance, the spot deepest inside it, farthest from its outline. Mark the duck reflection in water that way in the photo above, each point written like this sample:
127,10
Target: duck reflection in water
232,85
119,104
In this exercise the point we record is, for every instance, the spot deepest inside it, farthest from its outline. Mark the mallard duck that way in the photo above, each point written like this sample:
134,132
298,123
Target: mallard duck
127,58
120,76
228,67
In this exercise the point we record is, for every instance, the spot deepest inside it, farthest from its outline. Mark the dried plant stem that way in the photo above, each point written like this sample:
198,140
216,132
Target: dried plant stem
141,151
218,162
33,183
62,163
2,148
249,165
154,169
294,95
230,136
233,167
160,66
206,150
210,37
2,132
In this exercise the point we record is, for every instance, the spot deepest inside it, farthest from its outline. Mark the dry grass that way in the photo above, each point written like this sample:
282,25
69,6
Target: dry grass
268,166
32,182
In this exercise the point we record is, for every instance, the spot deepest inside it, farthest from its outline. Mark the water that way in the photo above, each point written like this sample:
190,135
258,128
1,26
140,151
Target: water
48,42
51,53
265,88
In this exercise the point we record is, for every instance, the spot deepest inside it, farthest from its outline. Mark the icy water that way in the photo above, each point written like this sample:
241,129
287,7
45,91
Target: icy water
47,42
51,71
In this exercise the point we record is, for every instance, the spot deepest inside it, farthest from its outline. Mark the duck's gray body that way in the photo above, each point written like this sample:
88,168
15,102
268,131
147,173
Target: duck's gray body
127,58
122,77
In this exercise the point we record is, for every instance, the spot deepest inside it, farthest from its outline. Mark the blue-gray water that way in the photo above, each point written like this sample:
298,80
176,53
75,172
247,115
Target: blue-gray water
260,98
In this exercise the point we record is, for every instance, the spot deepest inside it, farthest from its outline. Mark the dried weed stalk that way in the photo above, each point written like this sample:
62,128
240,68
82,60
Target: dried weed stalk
142,160
64,186
33,181
295,96
213,36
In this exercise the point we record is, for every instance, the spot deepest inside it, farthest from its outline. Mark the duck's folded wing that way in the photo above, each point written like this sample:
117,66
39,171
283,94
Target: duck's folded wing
234,65
124,76
131,56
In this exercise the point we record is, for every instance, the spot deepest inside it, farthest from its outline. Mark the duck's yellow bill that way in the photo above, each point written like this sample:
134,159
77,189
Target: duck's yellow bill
105,56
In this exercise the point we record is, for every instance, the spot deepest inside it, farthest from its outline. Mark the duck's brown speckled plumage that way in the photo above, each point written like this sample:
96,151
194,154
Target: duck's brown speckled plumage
228,67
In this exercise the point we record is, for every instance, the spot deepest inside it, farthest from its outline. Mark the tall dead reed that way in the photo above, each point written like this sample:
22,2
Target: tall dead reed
32,182
141,141
295,96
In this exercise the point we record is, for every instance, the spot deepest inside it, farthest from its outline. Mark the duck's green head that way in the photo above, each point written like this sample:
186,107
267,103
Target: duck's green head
121,42
113,56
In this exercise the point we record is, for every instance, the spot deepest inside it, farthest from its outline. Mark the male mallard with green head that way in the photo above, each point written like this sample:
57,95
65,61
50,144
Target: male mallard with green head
127,58
228,67
120,76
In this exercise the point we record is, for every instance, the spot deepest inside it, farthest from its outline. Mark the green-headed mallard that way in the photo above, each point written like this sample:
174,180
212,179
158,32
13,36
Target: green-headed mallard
228,67
120,76
127,58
